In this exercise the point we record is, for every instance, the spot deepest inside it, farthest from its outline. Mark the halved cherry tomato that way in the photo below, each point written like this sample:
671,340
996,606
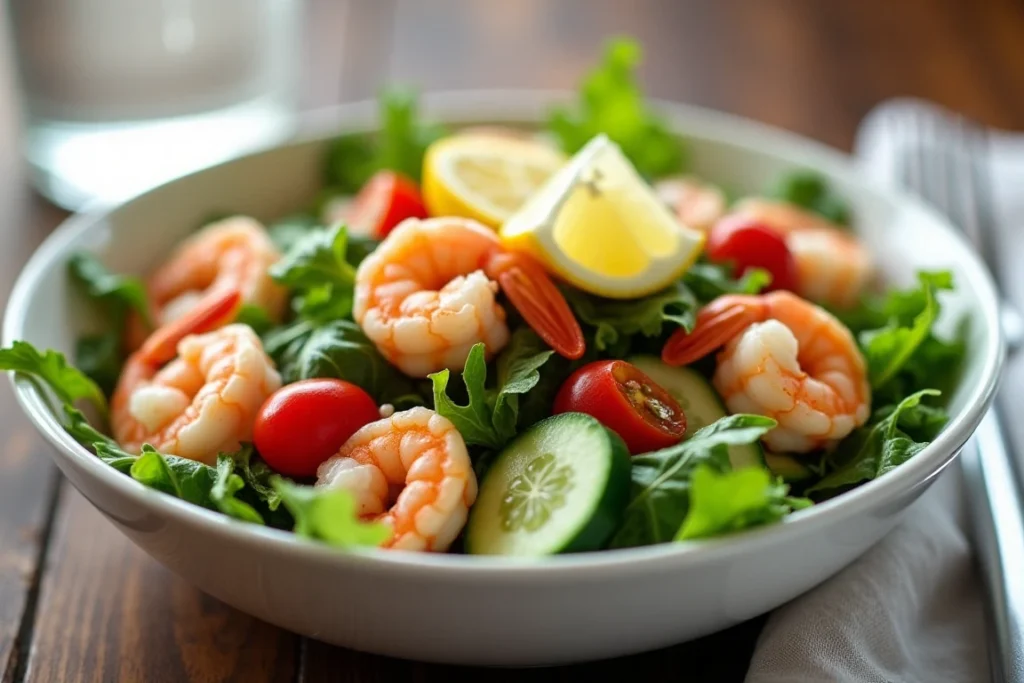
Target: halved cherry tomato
302,424
626,401
386,200
750,244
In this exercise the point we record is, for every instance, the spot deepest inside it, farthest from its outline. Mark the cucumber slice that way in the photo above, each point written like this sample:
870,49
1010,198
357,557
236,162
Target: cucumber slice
700,403
561,486
787,467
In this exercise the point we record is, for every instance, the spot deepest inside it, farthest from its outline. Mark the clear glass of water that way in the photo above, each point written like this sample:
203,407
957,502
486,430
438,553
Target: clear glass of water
120,95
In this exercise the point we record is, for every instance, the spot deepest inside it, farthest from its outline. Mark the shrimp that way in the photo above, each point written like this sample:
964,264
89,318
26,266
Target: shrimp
783,357
832,266
233,252
205,399
410,471
695,203
427,295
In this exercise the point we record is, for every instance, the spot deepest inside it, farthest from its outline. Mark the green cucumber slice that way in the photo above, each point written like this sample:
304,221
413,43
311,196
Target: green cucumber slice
700,403
559,487
787,467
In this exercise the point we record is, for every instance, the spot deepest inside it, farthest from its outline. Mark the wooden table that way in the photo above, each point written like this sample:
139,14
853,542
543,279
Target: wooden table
78,602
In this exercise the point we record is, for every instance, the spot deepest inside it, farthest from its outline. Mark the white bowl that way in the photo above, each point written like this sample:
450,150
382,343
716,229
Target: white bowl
492,610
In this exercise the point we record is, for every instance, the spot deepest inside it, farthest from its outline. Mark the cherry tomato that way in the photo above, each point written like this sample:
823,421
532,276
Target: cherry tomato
750,244
302,424
386,200
626,401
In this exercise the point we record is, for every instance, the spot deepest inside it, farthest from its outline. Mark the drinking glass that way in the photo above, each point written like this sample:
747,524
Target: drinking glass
121,95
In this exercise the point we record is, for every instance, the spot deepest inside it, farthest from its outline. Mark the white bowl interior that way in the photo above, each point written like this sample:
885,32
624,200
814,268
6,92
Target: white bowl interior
903,234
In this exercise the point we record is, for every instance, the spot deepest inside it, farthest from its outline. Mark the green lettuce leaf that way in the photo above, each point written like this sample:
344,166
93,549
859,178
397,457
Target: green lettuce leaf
810,190
339,349
317,270
100,356
286,232
328,515
490,417
115,293
398,146
661,480
50,367
722,503
611,102
226,486
613,322
883,444
895,333
708,281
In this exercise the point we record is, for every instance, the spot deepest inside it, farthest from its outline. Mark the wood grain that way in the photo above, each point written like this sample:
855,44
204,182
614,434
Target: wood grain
107,612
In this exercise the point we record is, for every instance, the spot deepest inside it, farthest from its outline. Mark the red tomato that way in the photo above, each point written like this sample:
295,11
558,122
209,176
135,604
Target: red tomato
386,200
750,244
302,424
626,401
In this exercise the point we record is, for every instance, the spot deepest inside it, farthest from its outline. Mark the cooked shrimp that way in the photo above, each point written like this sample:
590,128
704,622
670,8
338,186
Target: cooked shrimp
784,358
426,295
206,398
410,471
234,252
697,204
832,266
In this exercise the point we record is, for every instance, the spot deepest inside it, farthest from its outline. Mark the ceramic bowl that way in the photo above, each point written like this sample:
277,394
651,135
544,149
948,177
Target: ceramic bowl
493,610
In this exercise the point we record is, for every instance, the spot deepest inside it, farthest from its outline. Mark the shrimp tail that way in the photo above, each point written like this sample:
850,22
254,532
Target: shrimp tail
216,309
538,300
717,323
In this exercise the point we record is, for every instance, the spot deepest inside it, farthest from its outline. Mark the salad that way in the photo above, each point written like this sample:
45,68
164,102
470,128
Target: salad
495,340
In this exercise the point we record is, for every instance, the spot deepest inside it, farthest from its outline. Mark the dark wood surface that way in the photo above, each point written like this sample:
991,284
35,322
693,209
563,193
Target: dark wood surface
78,602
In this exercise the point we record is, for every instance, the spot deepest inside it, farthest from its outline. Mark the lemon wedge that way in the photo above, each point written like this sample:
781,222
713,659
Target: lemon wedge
485,175
601,227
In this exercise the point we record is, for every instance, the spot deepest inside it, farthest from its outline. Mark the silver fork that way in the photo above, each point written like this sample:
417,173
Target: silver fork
945,163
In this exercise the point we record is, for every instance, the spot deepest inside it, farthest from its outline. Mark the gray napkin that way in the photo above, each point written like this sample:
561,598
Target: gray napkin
911,609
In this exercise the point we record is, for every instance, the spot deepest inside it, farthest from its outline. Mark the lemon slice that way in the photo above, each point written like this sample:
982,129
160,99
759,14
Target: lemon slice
485,175
600,226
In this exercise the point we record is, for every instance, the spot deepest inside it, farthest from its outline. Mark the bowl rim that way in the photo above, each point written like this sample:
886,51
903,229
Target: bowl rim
528,106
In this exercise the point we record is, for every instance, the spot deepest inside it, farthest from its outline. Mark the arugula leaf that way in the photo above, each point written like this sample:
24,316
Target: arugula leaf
328,515
225,487
316,267
115,293
182,478
291,229
660,494
256,474
519,366
903,354
810,190
615,321
709,281
721,503
490,418
398,146
100,356
474,419
339,349
881,445
67,382
610,102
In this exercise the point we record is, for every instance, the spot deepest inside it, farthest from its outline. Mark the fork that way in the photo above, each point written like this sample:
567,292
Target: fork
945,163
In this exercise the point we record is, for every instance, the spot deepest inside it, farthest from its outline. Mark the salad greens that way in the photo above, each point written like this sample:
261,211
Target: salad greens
113,297
723,502
399,146
809,190
610,102
686,491
662,480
